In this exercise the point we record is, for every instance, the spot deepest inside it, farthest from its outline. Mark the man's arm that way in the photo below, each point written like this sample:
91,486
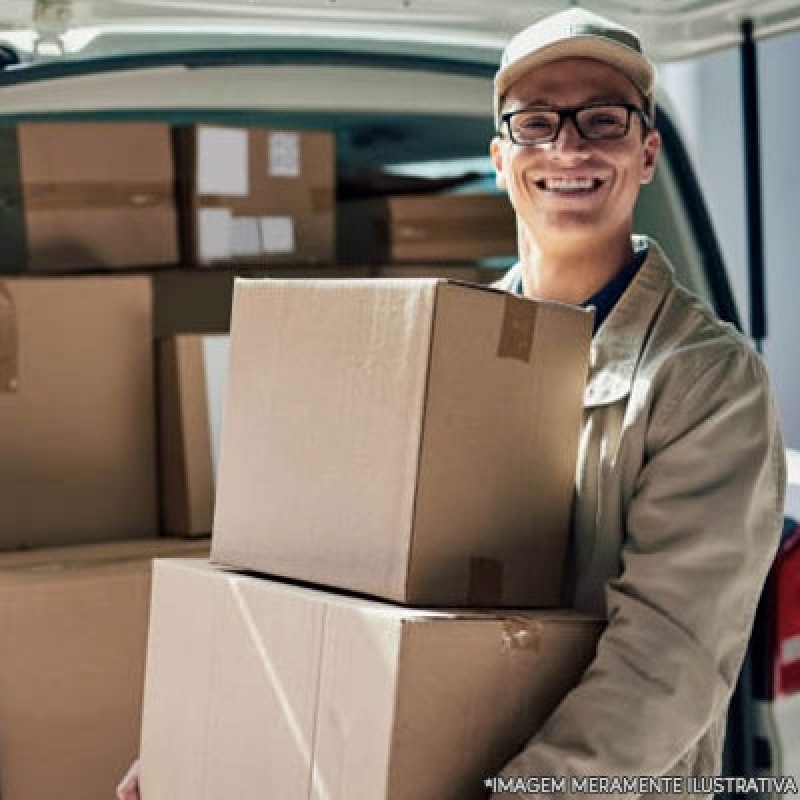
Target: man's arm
702,529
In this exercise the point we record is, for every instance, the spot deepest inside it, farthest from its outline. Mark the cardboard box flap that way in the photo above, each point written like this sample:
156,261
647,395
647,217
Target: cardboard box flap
8,341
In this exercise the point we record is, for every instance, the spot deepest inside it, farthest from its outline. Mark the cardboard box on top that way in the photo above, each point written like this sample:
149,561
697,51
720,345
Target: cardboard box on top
74,633
257,196
409,439
87,195
77,416
257,688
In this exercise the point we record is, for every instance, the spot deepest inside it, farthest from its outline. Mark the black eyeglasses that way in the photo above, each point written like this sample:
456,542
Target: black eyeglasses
595,122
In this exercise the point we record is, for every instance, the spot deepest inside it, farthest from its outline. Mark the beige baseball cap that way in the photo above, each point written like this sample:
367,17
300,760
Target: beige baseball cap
575,33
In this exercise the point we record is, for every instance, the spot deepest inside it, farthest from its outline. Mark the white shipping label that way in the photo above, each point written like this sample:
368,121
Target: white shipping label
245,236
213,234
283,158
222,162
277,234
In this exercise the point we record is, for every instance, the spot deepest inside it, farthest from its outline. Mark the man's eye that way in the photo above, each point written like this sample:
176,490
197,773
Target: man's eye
535,123
604,119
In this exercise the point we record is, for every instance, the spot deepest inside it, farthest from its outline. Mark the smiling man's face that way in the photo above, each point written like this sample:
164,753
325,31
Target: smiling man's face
572,192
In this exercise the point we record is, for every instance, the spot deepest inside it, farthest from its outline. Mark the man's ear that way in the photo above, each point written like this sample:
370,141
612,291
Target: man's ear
496,152
652,147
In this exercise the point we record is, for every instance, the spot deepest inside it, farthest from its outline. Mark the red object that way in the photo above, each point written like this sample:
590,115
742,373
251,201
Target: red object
787,616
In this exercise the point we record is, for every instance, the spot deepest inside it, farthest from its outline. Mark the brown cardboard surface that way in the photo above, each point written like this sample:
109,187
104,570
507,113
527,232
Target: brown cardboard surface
78,431
427,227
377,439
441,270
302,196
256,688
97,195
74,633
9,346
191,375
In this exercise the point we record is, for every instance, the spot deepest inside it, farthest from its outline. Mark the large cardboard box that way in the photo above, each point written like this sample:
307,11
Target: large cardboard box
409,439
427,227
73,635
258,689
191,378
258,196
86,195
77,411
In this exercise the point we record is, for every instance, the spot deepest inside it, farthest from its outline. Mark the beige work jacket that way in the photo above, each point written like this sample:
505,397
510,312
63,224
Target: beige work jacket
677,515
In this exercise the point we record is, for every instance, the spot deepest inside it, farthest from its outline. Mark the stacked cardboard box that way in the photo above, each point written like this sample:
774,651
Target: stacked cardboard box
257,688
73,635
77,416
257,196
412,440
77,423
426,228
192,369
78,196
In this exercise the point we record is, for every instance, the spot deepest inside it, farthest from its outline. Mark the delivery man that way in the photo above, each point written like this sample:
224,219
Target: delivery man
681,473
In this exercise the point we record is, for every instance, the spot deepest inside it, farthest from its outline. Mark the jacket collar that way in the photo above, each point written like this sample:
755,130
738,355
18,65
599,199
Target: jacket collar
618,343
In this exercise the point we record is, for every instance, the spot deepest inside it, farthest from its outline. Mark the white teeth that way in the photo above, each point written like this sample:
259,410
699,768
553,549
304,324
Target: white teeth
569,184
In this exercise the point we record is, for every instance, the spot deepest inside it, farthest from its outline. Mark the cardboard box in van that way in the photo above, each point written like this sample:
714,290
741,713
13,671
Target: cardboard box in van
87,195
410,439
77,416
427,227
191,379
74,636
257,196
257,688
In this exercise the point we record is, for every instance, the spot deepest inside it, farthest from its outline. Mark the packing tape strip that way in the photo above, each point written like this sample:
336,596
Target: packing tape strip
516,333
9,350
87,195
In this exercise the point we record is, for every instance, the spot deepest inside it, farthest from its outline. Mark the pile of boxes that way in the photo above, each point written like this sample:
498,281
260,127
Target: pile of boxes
81,196
380,618
398,457
79,526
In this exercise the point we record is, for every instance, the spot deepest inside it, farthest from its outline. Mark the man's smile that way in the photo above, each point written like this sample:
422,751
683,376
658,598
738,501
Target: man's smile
569,185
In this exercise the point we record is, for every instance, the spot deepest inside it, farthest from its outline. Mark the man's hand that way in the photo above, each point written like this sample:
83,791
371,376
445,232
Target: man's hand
128,788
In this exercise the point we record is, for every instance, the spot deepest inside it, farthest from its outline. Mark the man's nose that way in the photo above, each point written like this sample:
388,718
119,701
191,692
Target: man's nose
569,139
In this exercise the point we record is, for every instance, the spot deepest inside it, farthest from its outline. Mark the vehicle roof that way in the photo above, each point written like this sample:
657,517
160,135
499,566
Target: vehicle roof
470,29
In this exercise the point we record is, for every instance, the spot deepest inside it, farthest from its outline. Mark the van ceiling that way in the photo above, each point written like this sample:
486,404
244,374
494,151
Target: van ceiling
671,29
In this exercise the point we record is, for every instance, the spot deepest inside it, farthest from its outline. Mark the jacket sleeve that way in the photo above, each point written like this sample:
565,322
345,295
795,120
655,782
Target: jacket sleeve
702,528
